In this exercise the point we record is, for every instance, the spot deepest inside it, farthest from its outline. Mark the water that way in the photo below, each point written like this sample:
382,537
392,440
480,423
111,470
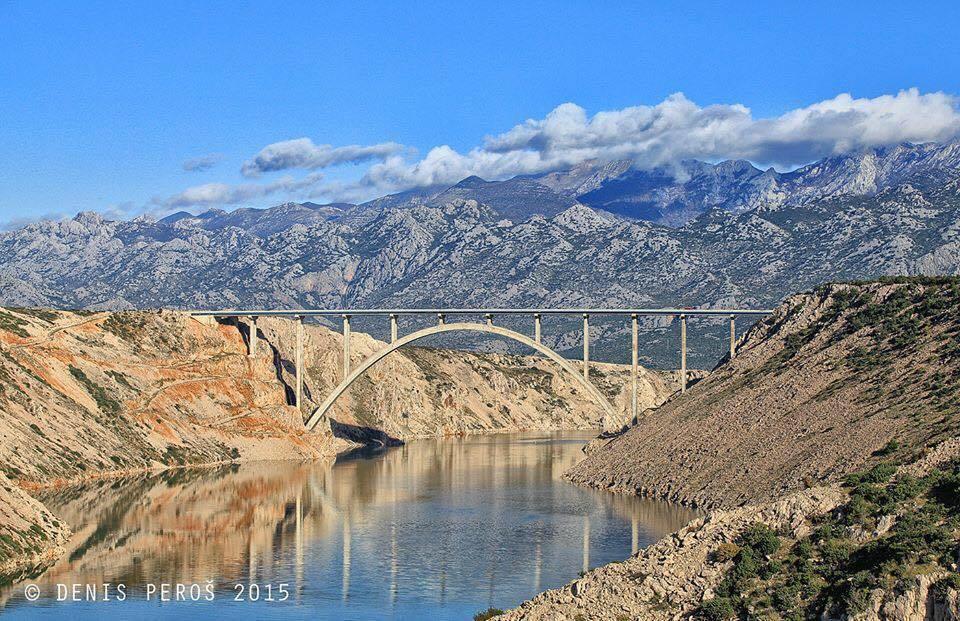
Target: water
436,529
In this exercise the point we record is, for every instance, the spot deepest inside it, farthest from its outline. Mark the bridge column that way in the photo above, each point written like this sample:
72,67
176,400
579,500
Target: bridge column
536,327
489,318
683,353
299,360
586,346
346,346
733,337
393,328
252,347
634,368
441,319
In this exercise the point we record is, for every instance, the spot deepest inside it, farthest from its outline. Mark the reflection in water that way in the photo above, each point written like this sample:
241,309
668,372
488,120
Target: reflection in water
439,528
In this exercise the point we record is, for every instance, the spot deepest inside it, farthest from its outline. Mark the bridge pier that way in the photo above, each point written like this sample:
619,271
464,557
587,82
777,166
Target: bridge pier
634,365
299,361
346,345
683,353
733,337
586,346
252,346
393,328
536,327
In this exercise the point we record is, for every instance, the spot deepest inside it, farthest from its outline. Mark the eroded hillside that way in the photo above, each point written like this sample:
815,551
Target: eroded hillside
85,394
835,379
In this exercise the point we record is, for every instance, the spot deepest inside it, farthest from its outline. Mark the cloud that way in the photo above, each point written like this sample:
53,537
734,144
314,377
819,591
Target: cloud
671,131
219,194
202,163
659,135
302,153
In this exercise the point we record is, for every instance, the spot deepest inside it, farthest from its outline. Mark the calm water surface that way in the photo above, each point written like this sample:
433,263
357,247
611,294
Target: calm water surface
436,529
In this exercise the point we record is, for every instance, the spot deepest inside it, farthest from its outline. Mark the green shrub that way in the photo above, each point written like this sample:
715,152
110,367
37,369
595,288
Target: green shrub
803,549
717,609
13,324
890,447
941,586
104,401
489,613
725,552
745,567
857,510
761,539
904,488
880,473
784,598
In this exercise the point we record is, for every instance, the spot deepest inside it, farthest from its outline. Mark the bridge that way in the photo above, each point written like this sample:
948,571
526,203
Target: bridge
487,326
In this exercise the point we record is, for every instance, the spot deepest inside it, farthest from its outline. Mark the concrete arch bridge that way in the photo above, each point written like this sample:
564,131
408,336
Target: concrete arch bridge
487,327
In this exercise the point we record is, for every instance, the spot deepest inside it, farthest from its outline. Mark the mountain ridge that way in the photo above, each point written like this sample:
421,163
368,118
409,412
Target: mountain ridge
458,251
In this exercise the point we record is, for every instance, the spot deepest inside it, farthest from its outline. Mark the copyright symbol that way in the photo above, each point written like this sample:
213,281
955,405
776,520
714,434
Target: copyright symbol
31,592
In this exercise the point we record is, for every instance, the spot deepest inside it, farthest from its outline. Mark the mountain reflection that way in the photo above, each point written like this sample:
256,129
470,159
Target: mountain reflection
481,519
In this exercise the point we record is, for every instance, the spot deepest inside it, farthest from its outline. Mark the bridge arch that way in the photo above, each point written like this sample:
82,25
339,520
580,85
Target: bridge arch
367,364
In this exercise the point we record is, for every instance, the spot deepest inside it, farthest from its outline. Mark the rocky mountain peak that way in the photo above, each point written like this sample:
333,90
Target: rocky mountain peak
89,219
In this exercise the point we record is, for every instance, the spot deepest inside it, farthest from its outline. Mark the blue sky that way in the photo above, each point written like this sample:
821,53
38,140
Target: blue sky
102,103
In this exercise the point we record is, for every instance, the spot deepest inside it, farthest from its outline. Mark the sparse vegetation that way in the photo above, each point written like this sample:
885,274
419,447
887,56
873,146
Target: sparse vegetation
725,552
128,326
889,531
13,324
43,314
105,402
489,613
120,378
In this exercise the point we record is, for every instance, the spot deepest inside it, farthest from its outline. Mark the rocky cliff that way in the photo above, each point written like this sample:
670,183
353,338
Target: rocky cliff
836,379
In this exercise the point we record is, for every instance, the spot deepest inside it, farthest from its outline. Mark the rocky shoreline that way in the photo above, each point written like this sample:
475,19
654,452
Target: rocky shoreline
842,379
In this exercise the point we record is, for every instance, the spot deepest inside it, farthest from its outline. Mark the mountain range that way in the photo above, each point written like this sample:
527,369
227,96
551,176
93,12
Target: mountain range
597,234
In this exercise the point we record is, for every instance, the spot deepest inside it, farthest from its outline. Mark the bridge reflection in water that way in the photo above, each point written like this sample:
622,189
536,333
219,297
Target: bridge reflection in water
438,527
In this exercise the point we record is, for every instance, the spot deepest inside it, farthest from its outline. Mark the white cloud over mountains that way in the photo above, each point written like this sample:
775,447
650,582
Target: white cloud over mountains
215,194
651,136
302,153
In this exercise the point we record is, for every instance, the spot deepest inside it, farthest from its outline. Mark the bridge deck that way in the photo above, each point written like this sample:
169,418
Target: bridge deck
479,311
299,315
